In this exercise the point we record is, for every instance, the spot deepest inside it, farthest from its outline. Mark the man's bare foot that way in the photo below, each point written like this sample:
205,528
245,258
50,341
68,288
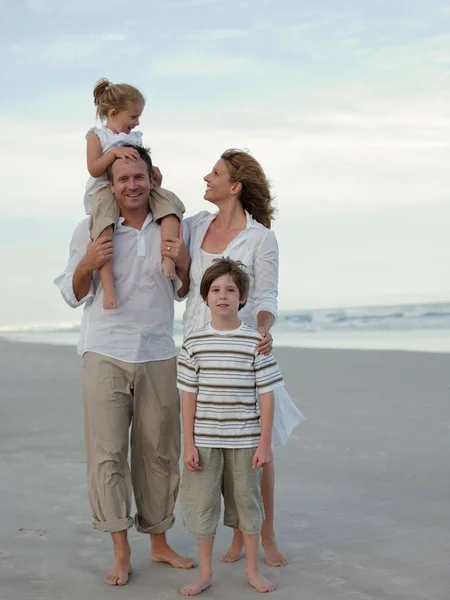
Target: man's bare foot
163,553
195,588
109,301
274,558
260,583
168,268
234,553
122,570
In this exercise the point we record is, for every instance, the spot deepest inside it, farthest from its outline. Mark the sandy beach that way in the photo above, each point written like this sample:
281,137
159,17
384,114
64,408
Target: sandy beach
363,493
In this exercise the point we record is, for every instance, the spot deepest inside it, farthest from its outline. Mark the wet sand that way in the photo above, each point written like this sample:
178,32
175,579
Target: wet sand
363,486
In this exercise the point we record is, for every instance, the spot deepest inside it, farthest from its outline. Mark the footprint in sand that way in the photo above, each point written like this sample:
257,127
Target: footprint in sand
5,560
24,533
299,524
87,552
335,581
403,581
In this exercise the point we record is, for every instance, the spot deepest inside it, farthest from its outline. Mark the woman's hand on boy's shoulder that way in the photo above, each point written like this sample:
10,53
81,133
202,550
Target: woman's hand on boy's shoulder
266,344
191,458
263,456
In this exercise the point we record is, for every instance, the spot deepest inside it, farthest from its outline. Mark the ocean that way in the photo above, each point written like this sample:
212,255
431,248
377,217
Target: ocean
417,327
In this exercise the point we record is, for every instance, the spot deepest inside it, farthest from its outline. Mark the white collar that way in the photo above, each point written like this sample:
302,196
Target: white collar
148,220
250,220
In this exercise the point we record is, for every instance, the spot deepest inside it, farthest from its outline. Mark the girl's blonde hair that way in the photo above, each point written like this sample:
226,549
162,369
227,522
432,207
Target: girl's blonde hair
255,195
109,95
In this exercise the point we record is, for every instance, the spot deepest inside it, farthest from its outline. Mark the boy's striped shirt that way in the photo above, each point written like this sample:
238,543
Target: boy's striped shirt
225,371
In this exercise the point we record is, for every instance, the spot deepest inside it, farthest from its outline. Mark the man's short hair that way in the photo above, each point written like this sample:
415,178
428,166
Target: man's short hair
226,266
143,152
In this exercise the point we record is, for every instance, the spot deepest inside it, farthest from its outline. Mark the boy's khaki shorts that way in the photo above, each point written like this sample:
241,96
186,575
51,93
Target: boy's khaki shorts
105,211
228,471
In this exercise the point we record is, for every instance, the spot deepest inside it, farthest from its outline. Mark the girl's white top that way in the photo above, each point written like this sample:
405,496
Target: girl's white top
108,140
255,246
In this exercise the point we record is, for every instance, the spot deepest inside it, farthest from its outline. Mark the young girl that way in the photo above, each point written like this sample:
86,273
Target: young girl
120,106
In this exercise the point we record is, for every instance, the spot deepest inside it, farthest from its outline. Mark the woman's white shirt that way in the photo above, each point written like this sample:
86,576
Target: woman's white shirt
255,246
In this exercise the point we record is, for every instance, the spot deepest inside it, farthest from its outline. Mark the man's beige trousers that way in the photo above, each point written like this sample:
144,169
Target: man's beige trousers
118,395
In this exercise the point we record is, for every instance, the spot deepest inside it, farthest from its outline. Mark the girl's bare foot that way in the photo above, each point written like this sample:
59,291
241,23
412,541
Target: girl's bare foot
260,583
274,558
109,300
199,585
168,268
122,570
235,551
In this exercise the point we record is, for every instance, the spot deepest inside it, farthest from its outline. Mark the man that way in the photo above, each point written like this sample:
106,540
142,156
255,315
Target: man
129,371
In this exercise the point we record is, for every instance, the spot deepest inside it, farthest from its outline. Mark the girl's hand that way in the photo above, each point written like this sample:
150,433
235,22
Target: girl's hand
266,344
191,458
156,180
126,153
263,456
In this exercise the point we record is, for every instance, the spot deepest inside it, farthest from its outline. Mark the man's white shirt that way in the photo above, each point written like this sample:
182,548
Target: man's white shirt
141,328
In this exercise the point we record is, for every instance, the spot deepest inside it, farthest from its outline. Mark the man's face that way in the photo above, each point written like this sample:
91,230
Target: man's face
130,183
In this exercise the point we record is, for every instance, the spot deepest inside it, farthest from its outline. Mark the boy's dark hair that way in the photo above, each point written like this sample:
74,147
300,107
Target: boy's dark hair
226,266
143,152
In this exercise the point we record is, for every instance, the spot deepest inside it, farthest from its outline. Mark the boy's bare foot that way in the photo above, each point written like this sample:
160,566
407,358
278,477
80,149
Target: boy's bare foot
260,583
122,570
109,301
274,558
199,585
168,268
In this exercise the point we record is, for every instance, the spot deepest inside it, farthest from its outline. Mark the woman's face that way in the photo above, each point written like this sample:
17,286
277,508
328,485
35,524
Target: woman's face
219,187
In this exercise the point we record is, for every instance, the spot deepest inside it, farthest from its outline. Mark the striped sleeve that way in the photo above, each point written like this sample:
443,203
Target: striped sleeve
187,374
267,374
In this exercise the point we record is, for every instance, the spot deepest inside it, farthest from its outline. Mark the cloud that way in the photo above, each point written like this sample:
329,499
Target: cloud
323,153
198,64
80,6
346,109
214,4
86,49
211,35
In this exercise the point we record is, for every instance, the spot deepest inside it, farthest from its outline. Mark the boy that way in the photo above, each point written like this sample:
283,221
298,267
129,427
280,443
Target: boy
227,440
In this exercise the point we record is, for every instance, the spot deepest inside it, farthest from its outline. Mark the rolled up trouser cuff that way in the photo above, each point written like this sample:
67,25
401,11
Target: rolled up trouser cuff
202,535
246,531
113,526
231,523
162,527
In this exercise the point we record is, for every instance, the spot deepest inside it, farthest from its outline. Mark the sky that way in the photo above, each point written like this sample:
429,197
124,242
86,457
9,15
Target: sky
344,103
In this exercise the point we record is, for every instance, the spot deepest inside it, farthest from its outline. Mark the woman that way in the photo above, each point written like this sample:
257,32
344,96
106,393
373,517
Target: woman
240,229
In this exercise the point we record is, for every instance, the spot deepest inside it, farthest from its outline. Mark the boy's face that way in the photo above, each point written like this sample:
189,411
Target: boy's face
223,297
